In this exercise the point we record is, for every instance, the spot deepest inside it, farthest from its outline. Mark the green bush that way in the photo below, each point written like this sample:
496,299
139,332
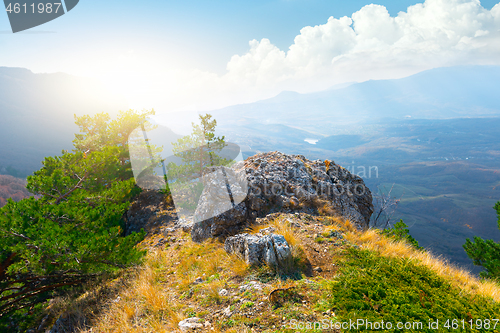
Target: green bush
373,288
486,253
400,232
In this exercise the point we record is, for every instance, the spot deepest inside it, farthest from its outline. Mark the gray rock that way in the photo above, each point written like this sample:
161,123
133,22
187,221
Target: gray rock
252,285
266,231
190,324
64,324
227,311
277,182
256,249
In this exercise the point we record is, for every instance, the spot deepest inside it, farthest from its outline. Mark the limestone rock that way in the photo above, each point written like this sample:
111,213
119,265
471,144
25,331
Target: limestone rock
190,324
278,182
221,209
271,249
252,285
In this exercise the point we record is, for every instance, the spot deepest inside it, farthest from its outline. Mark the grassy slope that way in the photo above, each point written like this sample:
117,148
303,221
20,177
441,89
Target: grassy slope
339,274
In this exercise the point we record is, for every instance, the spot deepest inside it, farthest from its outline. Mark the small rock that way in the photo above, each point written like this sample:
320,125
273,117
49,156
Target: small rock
252,285
227,311
161,242
267,231
168,230
223,292
190,324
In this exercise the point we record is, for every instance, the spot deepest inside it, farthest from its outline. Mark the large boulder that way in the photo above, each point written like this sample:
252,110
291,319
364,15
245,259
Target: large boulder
221,209
277,182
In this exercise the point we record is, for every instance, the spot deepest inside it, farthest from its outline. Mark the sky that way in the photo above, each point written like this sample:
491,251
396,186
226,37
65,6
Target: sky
202,55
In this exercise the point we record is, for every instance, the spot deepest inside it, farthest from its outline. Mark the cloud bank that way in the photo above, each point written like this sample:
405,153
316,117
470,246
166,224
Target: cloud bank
368,45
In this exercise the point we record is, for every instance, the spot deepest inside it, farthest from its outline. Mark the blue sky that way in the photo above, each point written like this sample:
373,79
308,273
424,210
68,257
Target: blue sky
162,53
206,33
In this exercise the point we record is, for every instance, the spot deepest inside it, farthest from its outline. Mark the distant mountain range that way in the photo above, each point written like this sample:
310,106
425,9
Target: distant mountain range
36,112
441,93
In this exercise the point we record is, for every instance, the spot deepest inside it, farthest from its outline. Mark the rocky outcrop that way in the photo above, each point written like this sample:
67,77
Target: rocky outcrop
147,212
277,182
221,209
271,249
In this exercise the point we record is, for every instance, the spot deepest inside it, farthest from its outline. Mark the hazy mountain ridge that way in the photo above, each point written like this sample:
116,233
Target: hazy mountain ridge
441,93
37,114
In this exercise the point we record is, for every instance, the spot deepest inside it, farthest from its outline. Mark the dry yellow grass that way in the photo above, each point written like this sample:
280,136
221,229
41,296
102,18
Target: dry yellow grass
283,227
151,302
372,240
163,291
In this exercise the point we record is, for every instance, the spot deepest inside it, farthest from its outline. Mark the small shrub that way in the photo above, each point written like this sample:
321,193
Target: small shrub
400,232
319,240
247,305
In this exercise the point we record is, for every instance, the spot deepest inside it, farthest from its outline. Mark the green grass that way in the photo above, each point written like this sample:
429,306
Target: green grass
247,305
375,288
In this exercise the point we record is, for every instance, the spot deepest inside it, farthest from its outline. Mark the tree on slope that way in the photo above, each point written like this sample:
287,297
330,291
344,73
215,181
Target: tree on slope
100,131
195,152
200,149
73,231
485,253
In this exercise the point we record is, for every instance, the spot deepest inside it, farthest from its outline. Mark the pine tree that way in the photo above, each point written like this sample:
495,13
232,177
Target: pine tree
197,152
72,231
485,253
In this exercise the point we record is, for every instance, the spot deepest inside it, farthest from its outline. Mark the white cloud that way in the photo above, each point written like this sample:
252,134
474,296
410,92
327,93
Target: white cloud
368,45
371,44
